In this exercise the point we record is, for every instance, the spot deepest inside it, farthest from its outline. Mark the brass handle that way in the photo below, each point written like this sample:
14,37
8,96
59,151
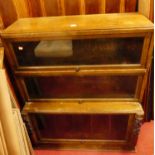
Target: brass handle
80,101
77,69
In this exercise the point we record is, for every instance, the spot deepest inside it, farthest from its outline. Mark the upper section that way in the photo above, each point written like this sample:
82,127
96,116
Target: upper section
75,26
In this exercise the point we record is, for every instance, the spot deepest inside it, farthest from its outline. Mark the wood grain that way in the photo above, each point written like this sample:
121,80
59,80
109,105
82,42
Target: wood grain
92,6
145,49
148,65
64,72
34,7
61,7
131,5
1,23
51,7
151,16
112,6
72,7
62,26
102,6
82,7
1,57
21,7
8,15
43,9
37,8
144,7
122,6
73,107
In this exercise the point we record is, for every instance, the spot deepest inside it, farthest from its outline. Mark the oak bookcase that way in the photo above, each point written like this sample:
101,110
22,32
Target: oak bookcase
82,78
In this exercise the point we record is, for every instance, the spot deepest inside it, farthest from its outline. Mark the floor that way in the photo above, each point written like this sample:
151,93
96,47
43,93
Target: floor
145,145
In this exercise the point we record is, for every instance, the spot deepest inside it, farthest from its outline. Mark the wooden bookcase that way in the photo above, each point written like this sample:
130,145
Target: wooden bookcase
87,94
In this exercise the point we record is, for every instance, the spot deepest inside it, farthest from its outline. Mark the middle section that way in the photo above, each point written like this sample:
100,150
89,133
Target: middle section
83,87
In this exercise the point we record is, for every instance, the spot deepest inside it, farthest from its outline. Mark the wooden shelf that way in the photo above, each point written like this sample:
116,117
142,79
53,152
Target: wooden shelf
75,26
75,107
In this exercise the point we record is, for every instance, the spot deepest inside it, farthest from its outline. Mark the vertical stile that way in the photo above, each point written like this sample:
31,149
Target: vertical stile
82,7
122,6
148,65
42,6
61,7
102,6
129,128
150,52
138,86
34,8
145,49
144,7
21,8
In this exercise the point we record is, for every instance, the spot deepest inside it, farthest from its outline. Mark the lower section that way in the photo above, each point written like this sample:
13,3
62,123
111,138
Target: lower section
53,126
141,145
97,127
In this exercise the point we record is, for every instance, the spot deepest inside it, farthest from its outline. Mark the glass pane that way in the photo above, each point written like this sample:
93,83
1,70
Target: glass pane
106,127
79,52
82,87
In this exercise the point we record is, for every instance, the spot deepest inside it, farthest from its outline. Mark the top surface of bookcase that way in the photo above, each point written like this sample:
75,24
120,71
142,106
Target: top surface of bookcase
81,25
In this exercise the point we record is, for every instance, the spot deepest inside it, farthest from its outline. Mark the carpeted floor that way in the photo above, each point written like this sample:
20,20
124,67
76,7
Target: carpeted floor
144,146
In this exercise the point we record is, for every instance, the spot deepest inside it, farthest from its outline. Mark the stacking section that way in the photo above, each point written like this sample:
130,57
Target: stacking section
81,78
90,125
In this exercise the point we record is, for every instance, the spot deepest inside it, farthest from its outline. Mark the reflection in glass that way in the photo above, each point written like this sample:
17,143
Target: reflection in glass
79,52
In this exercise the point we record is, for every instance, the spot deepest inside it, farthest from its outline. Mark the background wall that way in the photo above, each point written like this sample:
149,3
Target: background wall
13,9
